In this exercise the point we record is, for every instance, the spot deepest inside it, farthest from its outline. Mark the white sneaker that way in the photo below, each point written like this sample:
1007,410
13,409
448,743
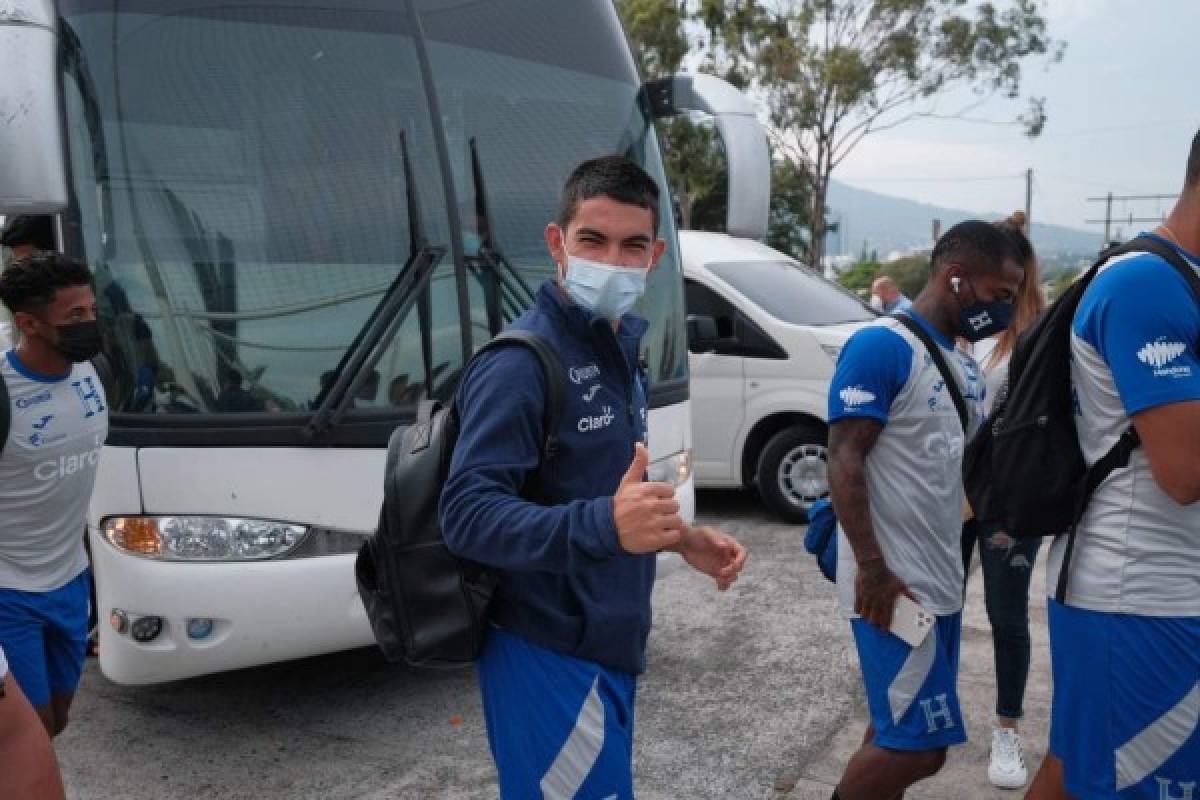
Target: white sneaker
1007,767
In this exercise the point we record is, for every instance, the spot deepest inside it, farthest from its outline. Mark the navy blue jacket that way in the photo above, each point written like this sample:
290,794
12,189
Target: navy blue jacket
565,582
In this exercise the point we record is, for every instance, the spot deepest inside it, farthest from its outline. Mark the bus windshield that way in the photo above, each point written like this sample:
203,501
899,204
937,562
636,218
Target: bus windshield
239,186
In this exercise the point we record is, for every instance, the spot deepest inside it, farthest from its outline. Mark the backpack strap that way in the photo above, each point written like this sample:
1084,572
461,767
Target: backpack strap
108,378
935,352
1118,457
5,413
552,368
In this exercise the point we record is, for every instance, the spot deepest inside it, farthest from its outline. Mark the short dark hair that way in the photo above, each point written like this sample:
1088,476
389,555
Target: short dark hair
609,176
1193,164
29,229
976,245
29,284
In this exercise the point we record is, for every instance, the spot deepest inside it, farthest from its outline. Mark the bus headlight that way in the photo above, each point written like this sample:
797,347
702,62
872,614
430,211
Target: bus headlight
674,469
203,538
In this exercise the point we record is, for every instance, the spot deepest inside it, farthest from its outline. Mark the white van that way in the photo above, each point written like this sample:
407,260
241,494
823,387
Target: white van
764,335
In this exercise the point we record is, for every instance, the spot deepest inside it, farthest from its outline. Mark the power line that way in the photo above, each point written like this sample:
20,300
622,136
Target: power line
928,179
1109,219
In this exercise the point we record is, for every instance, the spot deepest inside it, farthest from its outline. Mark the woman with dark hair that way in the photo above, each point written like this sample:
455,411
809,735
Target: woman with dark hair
1007,563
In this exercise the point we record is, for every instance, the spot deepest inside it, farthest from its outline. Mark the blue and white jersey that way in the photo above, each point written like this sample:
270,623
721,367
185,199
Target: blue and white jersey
1133,348
914,472
47,472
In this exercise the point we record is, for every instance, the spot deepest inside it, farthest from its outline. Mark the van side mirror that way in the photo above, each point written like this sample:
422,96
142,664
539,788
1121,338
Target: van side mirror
32,171
702,333
743,136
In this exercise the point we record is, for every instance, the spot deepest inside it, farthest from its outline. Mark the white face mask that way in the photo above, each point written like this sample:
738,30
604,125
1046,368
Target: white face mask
605,290
877,302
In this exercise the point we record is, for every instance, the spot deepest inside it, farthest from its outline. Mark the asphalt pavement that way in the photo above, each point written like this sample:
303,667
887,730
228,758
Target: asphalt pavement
752,693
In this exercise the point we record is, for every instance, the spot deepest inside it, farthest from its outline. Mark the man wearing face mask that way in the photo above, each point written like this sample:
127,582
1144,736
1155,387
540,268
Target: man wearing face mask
58,423
571,615
895,460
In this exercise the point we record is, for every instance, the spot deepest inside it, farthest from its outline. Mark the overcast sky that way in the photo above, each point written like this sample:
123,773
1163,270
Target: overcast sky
1122,109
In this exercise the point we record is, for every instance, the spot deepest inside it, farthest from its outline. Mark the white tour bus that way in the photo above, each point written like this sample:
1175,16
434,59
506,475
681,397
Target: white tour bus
302,217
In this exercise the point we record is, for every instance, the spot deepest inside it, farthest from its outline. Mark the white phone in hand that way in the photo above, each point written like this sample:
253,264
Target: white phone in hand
910,622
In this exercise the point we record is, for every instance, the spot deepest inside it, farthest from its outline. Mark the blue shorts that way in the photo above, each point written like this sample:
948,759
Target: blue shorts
559,727
44,636
1125,719
912,693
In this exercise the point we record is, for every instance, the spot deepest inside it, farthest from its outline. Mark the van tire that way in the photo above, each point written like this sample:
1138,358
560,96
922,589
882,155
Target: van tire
792,472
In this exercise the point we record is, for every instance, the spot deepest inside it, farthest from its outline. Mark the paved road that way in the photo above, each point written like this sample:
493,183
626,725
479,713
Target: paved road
746,691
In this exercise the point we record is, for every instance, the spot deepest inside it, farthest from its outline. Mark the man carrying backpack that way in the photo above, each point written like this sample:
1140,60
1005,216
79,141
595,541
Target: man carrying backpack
57,422
1125,638
573,540
900,415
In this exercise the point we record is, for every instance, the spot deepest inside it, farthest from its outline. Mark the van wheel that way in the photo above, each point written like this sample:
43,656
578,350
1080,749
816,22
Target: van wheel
793,472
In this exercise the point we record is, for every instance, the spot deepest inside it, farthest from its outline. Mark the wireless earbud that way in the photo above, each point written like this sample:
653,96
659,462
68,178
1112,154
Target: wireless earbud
955,283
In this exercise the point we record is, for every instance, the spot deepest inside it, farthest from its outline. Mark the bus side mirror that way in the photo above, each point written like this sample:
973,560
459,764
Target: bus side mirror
743,136
702,333
32,170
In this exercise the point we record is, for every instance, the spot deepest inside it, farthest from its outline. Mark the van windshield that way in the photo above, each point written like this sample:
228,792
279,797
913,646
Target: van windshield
793,293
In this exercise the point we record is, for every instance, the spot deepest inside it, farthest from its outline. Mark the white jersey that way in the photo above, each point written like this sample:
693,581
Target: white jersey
1133,348
47,472
995,371
914,472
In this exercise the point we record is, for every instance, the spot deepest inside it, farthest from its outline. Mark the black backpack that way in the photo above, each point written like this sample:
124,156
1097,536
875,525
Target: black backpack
1024,470
427,607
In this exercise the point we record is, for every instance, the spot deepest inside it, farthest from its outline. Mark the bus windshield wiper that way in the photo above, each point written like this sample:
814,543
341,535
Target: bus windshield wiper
503,284
410,285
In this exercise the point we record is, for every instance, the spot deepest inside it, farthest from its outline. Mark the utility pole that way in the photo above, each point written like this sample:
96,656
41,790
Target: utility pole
1131,219
1028,201
1107,219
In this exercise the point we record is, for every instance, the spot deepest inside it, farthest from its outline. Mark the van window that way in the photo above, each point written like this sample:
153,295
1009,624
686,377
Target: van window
793,293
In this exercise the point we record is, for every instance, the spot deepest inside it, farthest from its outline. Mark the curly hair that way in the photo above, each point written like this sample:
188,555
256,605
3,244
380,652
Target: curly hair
29,284
977,245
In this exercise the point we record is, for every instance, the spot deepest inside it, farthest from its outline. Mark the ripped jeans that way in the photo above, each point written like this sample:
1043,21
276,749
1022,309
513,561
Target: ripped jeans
1007,566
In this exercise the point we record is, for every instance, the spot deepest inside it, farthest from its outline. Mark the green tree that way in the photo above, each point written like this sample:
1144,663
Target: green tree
860,276
910,273
831,72
788,225
694,159
1062,282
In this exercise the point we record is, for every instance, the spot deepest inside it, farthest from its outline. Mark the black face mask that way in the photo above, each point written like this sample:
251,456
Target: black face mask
79,341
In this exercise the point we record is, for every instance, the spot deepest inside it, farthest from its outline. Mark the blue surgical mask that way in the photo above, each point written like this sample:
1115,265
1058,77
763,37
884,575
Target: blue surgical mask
603,289
979,320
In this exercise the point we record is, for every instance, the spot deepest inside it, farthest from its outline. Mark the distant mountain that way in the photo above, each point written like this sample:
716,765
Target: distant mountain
889,224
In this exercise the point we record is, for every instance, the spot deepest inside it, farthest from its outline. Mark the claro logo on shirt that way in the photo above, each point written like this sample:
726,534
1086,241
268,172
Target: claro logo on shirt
580,374
1160,353
33,400
597,423
67,464
853,397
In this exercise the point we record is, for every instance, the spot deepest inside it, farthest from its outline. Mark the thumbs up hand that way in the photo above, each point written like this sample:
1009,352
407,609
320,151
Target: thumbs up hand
646,512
